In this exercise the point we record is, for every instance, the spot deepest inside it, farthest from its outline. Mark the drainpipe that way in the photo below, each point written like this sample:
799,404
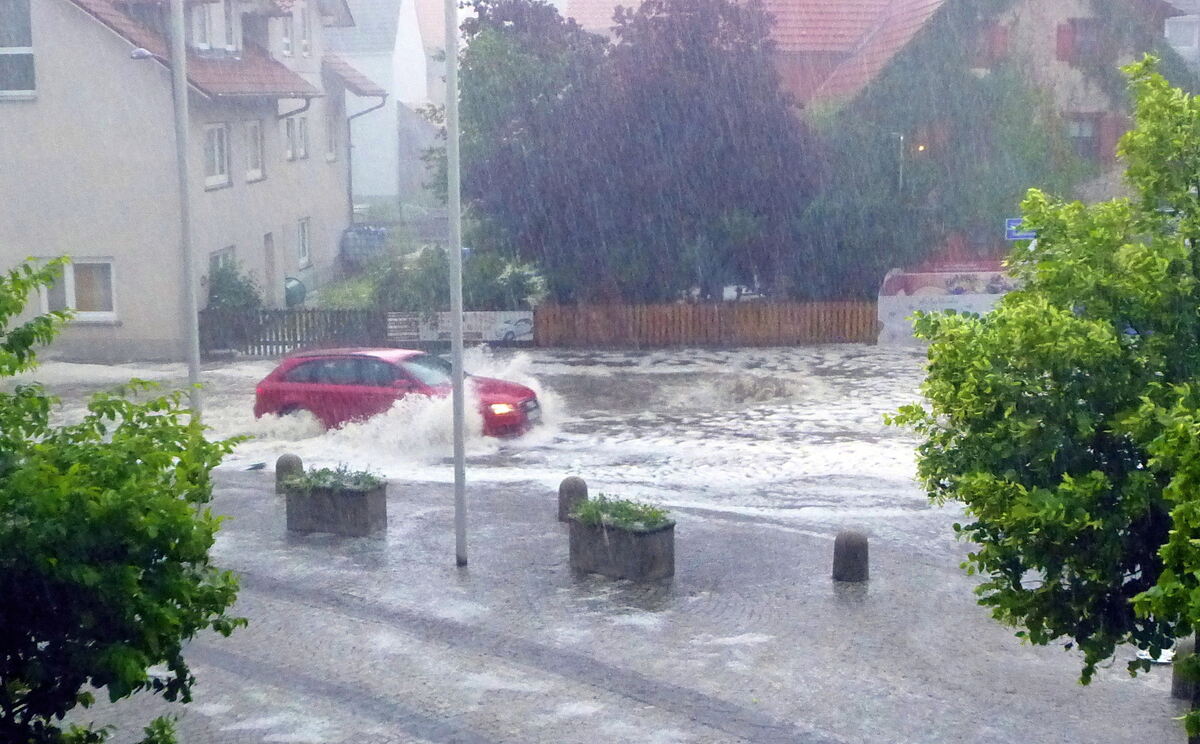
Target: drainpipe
301,110
350,151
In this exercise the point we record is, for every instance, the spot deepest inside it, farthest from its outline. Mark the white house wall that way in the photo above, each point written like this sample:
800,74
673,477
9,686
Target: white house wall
86,169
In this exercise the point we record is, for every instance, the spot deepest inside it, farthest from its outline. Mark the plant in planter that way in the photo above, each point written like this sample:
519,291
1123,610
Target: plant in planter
622,539
338,500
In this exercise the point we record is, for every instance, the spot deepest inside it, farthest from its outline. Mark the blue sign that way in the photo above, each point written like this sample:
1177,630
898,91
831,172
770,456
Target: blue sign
1013,231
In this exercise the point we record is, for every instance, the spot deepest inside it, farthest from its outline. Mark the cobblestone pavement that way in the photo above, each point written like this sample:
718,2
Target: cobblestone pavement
385,640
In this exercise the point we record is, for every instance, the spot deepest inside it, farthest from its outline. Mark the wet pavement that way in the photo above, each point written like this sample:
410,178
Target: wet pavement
761,454
384,640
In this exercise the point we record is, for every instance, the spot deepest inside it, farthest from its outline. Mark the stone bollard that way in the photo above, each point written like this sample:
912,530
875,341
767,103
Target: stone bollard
850,562
1182,689
287,466
570,492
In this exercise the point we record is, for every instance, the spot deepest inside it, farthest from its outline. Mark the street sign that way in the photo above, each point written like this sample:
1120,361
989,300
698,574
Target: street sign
1013,231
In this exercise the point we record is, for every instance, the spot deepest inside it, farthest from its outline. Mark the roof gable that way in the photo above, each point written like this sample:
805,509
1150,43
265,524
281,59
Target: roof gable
903,21
253,73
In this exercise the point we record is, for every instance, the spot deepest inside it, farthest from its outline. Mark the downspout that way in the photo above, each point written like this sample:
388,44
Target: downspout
307,102
350,152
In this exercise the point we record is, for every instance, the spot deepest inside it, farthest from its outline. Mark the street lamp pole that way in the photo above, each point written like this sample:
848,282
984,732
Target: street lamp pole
454,209
179,94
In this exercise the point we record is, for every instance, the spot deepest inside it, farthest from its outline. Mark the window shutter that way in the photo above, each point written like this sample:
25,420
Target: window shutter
1066,42
997,42
1112,127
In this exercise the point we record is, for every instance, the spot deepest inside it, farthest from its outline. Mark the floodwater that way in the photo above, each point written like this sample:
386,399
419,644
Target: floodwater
793,436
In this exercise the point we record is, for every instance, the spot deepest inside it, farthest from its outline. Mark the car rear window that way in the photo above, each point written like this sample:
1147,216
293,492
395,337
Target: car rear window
306,372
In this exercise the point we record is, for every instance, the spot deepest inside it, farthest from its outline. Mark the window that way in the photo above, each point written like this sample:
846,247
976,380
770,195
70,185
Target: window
221,259
16,49
202,26
305,31
331,134
296,134
306,372
254,151
303,248
289,137
216,155
286,35
378,373
302,137
230,40
86,286
1083,131
1183,33
1079,40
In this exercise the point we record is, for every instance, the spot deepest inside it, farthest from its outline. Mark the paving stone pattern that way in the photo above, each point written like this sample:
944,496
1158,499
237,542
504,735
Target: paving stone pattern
382,639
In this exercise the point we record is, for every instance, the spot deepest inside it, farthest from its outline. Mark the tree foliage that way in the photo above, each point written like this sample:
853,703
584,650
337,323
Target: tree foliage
230,288
666,159
1067,421
928,150
419,284
104,542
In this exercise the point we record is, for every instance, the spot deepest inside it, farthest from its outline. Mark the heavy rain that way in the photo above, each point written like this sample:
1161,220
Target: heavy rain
524,371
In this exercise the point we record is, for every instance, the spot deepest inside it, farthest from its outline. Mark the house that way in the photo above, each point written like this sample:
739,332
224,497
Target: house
1183,31
828,52
398,43
89,169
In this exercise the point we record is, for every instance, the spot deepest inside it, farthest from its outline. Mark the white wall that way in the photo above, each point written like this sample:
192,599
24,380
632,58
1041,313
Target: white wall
88,170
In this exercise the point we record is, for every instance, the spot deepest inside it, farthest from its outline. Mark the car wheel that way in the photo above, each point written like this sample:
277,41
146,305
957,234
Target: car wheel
510,336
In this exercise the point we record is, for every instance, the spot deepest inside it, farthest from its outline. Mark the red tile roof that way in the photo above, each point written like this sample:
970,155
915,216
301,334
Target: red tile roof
355,81
800,25
894,31
823,25
253,73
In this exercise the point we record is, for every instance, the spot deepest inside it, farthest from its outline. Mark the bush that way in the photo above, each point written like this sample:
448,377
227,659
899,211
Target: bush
339,478
229,288
627,515
104,543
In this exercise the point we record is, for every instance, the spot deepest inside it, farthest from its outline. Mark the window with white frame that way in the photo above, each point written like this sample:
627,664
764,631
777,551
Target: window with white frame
229,27
221,259
202,26
302,137
16,49
85,287
331,134
303,246
288,26
216,155
254,151
305,31
289,138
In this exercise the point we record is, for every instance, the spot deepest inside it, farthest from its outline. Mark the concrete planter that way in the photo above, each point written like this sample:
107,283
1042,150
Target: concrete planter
342,511
621,553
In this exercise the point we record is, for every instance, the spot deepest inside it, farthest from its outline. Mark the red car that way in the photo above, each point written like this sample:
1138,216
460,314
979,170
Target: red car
340,385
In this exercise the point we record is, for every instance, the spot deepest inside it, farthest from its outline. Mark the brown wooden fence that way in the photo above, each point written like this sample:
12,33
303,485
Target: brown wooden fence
727,324
269,333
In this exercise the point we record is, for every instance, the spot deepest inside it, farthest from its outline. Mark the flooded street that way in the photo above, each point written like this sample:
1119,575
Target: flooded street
789,436
761,454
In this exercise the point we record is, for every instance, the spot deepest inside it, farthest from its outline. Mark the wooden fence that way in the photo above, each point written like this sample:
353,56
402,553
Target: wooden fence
727,324
269,333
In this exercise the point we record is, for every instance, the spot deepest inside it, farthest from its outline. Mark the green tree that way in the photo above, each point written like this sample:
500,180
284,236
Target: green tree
1067,421
104,542
637,169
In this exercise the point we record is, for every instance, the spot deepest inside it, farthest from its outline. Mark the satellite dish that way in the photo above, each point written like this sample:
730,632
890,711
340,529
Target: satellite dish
294,291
